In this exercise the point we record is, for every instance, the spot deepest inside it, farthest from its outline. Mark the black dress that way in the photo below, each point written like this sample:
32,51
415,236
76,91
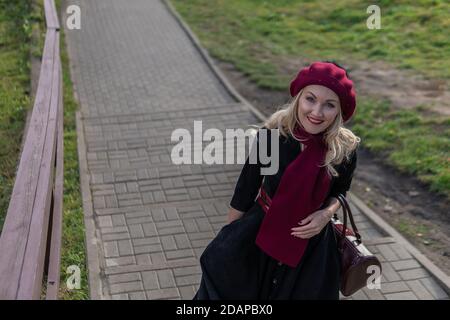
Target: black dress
234,267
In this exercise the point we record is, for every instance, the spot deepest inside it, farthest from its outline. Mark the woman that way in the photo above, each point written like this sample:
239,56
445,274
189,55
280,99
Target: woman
288,250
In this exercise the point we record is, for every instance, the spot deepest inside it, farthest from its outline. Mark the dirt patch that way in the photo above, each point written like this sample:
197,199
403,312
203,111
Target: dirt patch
404,88
403,201
407,205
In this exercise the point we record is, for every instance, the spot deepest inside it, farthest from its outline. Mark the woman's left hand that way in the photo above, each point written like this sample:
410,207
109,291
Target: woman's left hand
312,224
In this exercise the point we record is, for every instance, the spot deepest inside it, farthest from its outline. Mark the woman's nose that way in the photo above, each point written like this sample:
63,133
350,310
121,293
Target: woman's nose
317,111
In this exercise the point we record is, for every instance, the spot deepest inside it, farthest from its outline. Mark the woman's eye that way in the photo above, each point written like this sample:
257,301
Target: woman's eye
310,99
331,105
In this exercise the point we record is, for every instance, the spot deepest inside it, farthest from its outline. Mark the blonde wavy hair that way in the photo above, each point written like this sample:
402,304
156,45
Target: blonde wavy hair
341,141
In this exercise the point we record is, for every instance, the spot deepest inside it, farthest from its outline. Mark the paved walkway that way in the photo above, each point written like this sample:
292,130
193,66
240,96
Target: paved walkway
138,77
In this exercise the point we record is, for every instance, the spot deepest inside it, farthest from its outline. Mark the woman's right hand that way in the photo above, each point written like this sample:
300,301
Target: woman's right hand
234,214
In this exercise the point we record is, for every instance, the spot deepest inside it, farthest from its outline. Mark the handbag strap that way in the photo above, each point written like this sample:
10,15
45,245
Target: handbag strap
347,211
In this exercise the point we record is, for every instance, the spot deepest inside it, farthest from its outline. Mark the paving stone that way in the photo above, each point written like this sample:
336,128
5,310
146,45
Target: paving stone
125,247
405,264
393,287
203,224
125,287
149,229
145,241
359,295
177,254
185,280
166,278
389,273
105,221
136,231
182,241
387,252
374,294
168,242
187,292
413,274
115,236
190,226
111,249
200,243
167,293
124,277
137,295
150,280
118,220
171,231
120,261
171,213
120,296
201,235
407,295
419,290
400,251
114,230
187,271
143,259
138,221
158,257
158,214
148,248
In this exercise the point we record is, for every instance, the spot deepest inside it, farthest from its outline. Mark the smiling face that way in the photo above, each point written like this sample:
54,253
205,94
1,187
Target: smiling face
318,107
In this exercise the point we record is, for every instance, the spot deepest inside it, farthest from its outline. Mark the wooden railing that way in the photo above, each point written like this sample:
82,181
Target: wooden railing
30,241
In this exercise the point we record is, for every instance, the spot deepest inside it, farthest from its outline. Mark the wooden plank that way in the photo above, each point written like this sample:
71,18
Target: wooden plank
51,16
33,263
56,232
14,237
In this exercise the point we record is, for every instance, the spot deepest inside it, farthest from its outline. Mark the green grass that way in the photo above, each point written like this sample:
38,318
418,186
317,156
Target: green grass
73,246
257,35
413,143
260,37
15,34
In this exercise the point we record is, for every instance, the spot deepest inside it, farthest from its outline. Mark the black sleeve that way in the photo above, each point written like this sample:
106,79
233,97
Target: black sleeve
249,180
346,170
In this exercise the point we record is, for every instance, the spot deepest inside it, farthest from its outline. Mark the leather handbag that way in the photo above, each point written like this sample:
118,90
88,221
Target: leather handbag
357,262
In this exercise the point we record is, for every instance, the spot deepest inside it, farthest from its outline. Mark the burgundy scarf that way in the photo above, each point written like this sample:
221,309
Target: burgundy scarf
301,191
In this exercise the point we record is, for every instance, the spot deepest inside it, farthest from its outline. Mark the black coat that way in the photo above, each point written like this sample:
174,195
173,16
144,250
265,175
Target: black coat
233,266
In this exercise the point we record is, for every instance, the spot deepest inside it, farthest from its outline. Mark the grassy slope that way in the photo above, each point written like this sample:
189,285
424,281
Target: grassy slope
251,32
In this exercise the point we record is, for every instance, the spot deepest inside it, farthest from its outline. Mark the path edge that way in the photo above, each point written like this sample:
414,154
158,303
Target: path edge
91,241
435,272
380,223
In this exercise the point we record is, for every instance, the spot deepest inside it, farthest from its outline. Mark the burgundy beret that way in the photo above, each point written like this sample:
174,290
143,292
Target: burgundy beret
331,76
